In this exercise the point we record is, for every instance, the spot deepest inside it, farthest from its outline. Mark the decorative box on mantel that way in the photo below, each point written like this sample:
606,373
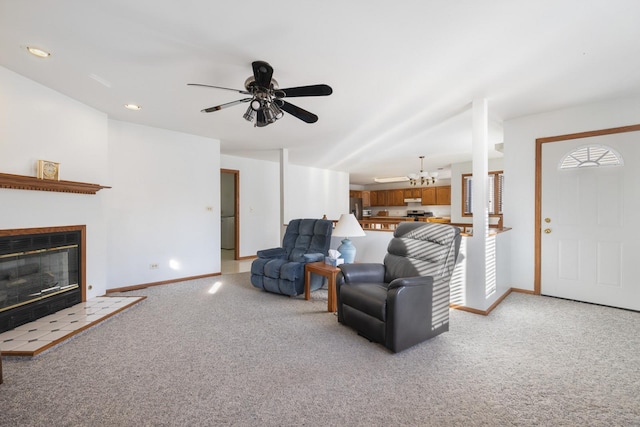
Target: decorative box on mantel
21,182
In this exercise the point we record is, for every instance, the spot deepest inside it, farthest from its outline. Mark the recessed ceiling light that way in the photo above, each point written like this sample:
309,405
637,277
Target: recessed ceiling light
38,52
133,107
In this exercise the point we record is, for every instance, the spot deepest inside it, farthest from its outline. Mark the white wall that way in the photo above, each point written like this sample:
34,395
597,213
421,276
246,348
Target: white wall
162,183
316,192
164,207
313,193
259,205
519,166
39,123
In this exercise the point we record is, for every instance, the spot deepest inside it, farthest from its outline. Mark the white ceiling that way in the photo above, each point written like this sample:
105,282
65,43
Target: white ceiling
403,73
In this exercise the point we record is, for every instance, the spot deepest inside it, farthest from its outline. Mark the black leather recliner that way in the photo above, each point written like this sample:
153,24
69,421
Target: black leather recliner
281,270
405,300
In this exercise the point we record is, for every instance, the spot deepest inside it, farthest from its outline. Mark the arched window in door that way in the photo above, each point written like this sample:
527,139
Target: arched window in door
591,156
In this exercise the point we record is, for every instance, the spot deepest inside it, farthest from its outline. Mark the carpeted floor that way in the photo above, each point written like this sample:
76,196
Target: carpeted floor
189,356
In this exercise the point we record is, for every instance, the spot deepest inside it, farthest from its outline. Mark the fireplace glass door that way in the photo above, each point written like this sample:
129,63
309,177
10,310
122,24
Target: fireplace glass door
39,274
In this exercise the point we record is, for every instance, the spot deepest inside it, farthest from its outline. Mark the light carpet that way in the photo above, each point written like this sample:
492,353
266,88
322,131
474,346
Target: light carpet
200,354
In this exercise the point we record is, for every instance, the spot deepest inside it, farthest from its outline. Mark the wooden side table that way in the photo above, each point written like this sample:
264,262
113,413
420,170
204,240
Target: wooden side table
328,271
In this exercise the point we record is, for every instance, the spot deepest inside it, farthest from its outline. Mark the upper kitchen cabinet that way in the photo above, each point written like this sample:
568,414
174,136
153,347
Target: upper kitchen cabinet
443,195
366,199
412,193
397,197
436,195
428,196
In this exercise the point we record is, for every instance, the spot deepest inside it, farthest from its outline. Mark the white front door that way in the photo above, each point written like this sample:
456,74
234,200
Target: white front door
589,242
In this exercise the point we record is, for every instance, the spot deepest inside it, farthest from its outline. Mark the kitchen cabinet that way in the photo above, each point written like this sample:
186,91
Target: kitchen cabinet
428,196
382,197
436,195
443,195
366,199
396,197
412,193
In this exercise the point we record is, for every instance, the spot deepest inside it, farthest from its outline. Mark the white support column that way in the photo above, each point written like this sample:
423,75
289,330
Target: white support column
480,169
284,168
477,245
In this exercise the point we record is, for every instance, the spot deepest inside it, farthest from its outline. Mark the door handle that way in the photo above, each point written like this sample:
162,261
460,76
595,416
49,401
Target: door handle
547,230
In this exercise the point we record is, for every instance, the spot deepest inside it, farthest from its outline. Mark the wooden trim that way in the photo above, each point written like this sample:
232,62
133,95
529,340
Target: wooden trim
537,249
22,182
494,305
236,211
588,134
246,257
537,264
62,229
83,262
496,187
164,282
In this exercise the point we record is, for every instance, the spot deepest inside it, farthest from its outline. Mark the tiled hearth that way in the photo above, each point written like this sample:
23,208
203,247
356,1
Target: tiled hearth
33,338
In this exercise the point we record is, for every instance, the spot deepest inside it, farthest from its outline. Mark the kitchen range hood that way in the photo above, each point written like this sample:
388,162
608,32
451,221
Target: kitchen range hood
413,200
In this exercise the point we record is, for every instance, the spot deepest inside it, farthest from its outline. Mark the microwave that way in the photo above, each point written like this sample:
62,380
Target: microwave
366,212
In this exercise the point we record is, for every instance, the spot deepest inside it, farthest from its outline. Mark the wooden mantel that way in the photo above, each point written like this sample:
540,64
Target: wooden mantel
22,182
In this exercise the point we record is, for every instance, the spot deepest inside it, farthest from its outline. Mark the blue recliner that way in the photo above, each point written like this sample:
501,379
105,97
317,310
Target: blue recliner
281,270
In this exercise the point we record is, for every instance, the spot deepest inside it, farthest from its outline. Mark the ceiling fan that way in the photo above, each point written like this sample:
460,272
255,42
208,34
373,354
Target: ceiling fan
266,103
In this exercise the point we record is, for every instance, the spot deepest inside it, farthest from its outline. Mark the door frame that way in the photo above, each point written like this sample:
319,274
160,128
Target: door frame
236,210
537,272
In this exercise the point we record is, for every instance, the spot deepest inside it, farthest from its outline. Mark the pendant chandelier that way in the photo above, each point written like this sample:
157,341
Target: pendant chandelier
422,177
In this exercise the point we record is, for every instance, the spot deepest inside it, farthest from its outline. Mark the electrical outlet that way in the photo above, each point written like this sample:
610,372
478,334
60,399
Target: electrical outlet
210,208
153,266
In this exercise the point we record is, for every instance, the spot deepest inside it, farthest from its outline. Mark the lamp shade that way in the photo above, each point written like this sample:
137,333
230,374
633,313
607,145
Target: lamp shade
348,226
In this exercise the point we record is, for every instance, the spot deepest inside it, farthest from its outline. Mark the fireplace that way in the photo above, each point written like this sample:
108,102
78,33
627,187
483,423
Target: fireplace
41,272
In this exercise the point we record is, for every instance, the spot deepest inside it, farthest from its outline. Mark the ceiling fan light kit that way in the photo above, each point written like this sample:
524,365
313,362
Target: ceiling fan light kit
266,105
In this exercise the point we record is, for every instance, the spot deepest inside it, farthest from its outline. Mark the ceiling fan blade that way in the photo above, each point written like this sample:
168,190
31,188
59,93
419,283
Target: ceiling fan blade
313,90
262,72
227,105
244,92
298,112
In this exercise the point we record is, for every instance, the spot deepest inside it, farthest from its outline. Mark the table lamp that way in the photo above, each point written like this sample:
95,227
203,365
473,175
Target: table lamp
348,226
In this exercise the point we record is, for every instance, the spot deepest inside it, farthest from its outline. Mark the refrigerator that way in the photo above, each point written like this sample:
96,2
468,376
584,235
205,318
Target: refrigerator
355,206
227,232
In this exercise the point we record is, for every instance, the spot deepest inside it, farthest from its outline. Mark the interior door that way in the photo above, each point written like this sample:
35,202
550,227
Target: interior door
589,240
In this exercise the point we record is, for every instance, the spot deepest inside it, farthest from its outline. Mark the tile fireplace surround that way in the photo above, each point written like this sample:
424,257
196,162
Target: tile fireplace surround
43,289
32,339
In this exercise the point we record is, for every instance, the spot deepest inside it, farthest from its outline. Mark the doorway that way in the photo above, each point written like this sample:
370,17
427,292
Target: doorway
229,211
586,197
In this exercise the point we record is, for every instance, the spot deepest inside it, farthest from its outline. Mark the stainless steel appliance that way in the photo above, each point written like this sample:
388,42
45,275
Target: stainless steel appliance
355,206
366,213
418,213
227,232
